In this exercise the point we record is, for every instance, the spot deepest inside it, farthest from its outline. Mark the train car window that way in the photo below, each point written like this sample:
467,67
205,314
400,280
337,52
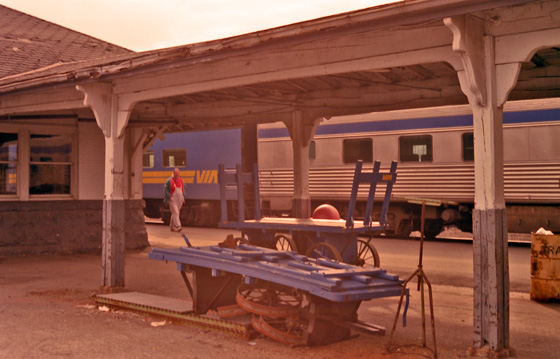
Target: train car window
415,148
468,146
148,159
50,164
312,150
175,157
8,162
357,149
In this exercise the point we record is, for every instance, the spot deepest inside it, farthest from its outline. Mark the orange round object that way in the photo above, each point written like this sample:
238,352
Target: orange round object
326,211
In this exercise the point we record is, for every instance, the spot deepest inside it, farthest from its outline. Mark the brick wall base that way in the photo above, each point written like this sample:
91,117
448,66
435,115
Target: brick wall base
37,227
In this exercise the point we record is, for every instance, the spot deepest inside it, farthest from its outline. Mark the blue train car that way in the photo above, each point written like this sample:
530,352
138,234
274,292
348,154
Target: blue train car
434,148
197,155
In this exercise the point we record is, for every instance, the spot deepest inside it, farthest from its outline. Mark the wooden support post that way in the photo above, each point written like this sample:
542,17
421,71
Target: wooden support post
135,163
249,157
490,71
113,245
487,94
301,132
112,117
491,278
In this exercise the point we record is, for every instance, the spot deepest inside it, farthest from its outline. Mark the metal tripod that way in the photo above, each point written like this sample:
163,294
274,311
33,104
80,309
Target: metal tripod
421,279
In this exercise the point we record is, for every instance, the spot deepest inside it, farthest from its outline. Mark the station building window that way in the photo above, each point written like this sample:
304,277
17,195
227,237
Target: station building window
357,149
415,148
8,163
175,157
50,164
36,162
468,146
148,159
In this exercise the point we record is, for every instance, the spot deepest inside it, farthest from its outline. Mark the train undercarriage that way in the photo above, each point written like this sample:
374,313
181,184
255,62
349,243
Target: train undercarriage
403,217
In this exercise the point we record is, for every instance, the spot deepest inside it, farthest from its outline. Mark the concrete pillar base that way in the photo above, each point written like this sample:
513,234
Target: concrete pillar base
113,246
491,279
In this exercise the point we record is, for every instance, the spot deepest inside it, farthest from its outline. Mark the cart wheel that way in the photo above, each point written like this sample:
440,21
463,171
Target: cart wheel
275,302
284,243
367,255
324,250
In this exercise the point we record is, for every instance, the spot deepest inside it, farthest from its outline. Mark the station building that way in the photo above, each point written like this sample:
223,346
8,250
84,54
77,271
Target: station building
52,164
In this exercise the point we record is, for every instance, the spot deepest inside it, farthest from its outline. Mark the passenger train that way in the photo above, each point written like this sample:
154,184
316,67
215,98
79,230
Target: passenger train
197,155
435,154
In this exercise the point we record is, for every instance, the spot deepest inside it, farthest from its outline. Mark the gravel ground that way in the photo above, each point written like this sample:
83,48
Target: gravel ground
46,312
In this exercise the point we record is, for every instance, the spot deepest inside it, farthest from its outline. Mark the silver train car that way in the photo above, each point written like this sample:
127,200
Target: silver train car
434,150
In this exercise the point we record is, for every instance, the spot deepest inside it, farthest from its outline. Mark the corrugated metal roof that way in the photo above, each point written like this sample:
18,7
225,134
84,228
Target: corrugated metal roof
28,43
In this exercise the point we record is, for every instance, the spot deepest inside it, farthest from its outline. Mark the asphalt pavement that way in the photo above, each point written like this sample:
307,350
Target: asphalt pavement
46,312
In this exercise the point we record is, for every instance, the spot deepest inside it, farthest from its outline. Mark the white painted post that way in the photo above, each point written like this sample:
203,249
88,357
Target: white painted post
490,248
112,120
490,252
301,133
249,157
135,163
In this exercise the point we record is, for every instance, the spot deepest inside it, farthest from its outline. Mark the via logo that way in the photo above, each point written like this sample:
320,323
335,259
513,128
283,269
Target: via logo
206,176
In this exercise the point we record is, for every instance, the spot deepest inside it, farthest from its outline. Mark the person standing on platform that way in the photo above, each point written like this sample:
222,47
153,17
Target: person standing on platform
174,195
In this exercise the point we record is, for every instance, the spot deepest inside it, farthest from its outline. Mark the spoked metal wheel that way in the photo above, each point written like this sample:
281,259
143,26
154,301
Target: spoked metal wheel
277,311
324,250
367,255
268,301
284,243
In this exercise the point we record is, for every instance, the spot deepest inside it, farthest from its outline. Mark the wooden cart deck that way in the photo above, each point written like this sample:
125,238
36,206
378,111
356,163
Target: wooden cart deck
303,224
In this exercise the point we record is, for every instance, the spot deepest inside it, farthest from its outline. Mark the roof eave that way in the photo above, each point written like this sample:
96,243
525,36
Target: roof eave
384,16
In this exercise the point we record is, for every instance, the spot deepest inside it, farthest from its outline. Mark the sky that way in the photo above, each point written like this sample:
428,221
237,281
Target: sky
142,25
